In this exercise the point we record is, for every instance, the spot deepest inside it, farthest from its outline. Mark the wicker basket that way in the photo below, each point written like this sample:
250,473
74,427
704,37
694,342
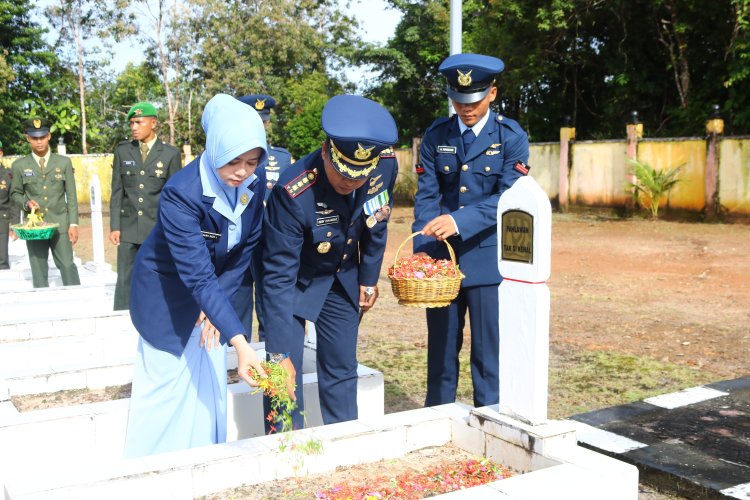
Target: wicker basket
42,232
426,292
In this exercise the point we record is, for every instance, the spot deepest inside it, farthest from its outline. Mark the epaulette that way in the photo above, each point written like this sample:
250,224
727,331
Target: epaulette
299,184
388,153
510,124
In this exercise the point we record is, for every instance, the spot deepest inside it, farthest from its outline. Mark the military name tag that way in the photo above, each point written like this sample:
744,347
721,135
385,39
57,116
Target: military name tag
128,163
211,236
324,221
28,173
447,149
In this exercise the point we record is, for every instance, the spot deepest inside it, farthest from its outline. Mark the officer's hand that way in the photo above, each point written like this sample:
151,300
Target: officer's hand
209,334
291,377
367,301
441,227
73,234
247,360
13,235
32,205
114,237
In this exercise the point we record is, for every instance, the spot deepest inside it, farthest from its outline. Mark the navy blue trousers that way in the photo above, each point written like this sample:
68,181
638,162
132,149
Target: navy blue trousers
445,327
337,328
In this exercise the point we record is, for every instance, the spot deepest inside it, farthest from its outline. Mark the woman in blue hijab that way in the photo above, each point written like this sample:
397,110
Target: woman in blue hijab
185,279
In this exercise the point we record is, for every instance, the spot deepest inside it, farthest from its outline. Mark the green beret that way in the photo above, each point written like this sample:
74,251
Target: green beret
142,109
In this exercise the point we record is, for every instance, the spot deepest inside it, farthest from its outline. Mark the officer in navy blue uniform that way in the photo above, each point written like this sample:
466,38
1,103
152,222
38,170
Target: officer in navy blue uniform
324,236
466,162
279,159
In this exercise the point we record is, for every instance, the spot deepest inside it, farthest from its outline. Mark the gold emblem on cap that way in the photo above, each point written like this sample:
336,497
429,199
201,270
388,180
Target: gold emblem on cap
37,123
464,79
338,160
139,111
363,153
324,247
260,104
244,198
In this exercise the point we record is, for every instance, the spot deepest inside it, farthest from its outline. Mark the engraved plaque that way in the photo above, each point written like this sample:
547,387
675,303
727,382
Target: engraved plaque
518,236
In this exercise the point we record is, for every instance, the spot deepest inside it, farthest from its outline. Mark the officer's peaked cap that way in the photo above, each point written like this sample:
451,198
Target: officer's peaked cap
262,103
470,76
358,130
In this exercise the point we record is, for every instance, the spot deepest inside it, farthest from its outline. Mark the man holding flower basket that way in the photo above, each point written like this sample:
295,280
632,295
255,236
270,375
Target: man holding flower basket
466,162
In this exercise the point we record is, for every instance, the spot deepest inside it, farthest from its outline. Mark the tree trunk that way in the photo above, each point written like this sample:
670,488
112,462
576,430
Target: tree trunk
81,86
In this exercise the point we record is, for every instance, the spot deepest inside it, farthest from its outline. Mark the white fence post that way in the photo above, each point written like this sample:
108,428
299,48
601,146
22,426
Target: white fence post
524,240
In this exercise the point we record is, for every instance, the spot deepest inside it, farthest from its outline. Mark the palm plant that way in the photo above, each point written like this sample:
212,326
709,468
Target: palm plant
652,184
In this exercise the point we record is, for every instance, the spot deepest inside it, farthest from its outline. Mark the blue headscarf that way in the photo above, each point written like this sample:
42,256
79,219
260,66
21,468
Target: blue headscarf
232,129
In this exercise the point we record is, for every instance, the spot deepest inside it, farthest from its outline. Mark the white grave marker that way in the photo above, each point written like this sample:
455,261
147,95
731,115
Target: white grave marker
97,227
524,238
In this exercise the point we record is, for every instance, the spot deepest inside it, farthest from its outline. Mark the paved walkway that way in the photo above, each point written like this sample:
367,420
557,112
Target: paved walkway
694,443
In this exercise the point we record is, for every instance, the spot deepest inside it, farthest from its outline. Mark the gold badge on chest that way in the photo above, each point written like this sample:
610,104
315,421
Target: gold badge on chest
244,198
324,247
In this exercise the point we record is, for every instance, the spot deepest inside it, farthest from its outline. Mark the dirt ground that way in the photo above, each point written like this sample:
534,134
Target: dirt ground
671,291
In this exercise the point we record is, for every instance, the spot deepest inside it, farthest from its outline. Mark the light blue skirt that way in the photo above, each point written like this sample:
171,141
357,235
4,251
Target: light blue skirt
177,403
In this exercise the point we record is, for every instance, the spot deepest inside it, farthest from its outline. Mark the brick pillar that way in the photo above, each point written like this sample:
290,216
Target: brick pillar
567,135
714,129
634,130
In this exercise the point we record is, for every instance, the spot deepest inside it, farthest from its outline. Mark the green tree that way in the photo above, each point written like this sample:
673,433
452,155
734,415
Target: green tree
25,65
409,84
80,21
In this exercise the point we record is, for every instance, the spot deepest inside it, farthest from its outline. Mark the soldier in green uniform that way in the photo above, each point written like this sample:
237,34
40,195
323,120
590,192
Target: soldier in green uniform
43,181
139,170
8,212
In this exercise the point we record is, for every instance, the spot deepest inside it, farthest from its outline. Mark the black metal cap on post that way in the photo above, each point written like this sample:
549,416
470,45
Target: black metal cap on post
715,111
634,117
567,121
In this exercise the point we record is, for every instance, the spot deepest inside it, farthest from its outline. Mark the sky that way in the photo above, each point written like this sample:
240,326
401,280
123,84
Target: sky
377,25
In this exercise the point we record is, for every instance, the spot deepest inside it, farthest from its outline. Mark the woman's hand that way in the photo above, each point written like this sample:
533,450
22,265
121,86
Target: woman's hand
247,360
209,334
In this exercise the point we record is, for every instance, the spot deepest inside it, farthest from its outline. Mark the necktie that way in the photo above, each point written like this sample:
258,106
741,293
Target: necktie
144,151
42,162
468,137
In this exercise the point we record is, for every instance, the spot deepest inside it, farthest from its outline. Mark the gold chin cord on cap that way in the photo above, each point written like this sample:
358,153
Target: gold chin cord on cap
337,156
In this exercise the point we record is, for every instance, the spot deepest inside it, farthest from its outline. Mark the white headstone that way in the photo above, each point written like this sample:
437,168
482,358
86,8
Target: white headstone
524,238
97,227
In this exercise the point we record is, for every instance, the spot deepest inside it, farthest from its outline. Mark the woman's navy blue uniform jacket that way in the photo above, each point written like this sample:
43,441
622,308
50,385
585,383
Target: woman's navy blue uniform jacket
183,267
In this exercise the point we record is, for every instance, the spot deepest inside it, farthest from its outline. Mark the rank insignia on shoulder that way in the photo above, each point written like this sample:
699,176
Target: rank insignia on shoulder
522,167
419,169
388,153
300,183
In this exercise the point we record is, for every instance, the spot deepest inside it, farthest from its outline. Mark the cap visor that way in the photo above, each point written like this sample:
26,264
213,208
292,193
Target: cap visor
463,98
38,132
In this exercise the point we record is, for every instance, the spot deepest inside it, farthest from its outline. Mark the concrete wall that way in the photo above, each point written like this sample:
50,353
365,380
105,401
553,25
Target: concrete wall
690,155
544,158
598,173
734,175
